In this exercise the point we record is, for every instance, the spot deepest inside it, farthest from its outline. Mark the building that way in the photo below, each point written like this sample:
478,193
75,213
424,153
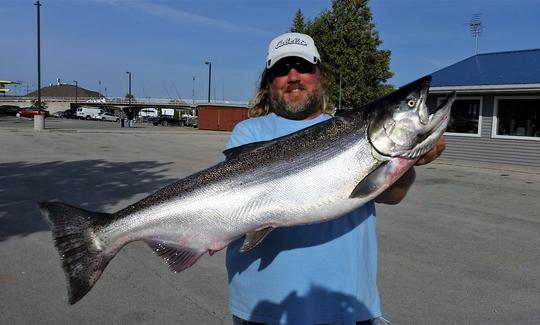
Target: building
65,90
496,115
220,117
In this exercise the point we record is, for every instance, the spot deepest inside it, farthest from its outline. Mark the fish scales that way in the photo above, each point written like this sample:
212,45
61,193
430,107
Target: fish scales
351,159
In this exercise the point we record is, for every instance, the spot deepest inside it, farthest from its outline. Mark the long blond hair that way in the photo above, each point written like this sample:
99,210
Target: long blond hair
260,104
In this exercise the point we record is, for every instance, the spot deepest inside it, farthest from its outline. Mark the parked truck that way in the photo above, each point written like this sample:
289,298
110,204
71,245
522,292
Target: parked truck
179,117
88,112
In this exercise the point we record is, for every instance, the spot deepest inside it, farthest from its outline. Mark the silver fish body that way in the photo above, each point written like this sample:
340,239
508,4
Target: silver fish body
310,176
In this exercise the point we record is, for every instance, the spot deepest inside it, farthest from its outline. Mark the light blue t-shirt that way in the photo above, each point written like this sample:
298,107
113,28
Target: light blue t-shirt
322,273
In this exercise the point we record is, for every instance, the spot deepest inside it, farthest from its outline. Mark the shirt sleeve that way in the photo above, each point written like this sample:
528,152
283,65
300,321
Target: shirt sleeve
241,134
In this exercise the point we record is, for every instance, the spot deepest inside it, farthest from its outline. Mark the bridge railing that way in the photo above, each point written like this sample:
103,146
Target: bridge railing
123,101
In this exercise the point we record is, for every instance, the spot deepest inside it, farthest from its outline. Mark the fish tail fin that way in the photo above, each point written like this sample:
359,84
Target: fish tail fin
82,258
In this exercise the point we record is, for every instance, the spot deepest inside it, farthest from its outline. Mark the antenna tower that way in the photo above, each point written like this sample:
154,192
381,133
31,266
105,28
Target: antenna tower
475,26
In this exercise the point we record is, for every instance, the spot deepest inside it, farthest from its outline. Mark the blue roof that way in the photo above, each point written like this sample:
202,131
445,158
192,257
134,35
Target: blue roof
500,68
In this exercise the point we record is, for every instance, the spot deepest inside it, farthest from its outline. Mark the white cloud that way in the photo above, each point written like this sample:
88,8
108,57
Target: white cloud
182,17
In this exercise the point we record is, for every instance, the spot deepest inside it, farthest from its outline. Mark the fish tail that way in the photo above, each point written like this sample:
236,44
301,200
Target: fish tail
83,260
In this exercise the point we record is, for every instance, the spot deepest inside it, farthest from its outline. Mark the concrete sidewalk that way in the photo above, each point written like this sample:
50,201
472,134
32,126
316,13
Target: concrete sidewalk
461,249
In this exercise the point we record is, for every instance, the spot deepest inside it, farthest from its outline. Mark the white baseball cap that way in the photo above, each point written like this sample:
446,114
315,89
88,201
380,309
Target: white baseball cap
292,44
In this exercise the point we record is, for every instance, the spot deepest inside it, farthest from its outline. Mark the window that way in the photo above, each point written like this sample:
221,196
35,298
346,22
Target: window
465,116
517,117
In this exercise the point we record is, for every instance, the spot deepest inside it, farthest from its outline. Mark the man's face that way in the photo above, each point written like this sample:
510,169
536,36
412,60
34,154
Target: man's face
295,90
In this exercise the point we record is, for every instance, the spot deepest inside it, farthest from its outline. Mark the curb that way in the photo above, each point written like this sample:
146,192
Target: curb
112,131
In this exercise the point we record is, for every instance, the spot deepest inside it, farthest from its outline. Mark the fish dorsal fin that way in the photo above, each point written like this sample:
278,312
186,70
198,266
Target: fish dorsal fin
236,151
374,181
177,258
254,238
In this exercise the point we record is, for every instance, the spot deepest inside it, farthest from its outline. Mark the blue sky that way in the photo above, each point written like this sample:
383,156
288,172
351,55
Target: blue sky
165,43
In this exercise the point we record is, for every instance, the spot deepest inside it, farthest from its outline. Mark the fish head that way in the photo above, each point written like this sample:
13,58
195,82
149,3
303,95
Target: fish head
403,125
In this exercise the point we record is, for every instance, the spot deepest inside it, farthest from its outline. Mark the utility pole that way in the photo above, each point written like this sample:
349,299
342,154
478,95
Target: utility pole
193,91
129,87
339,105
76,91
209,78
37,4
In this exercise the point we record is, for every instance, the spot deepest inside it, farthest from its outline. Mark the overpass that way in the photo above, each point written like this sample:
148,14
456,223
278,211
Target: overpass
55,104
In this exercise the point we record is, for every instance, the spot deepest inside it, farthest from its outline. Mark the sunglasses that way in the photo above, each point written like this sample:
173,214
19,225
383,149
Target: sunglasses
282,67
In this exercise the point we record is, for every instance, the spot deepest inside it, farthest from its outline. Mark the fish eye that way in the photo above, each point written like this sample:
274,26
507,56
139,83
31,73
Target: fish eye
411,102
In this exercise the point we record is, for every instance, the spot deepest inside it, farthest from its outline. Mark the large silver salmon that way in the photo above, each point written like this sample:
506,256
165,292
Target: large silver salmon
310,176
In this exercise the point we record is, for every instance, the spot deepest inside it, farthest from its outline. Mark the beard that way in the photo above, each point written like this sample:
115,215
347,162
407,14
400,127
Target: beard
297,110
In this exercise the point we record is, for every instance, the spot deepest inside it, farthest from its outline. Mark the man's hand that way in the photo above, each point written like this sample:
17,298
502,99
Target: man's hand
433,154
395,193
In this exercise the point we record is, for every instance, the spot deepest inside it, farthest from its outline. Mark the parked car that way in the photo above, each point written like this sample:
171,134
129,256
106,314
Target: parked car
106,116
9,110
32,111
191,121
167,120
69,113
58,114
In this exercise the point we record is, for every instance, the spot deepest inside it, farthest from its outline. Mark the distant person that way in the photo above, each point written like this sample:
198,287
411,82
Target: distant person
130,117
322,273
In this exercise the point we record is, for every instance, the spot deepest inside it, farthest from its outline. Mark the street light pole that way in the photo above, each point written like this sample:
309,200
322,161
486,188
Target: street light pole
129,93
209,78
193,93
37,4
76,91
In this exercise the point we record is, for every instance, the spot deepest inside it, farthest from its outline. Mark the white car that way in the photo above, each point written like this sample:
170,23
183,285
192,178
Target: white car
106,117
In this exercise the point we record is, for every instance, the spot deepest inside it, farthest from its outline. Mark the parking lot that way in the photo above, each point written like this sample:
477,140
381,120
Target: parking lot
463,248
66,125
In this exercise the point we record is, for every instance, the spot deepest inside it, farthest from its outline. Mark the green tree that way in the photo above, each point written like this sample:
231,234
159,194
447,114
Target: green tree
349,47
298,25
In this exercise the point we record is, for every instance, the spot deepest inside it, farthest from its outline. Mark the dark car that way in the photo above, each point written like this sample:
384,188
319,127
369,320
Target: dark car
9,110
69,113
167,120
31,112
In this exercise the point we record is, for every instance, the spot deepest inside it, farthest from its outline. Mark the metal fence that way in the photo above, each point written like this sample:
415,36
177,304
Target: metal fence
124,101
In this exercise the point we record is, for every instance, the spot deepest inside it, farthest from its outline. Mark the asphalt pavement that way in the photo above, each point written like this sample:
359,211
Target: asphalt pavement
463,247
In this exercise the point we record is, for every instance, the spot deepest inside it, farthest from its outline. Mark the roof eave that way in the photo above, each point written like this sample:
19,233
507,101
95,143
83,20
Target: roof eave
487,88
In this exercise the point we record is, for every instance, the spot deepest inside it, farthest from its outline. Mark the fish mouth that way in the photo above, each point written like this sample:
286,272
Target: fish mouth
433,130
423,112
439,117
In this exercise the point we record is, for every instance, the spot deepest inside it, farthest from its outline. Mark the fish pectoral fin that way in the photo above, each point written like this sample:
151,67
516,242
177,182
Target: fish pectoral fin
374,181
177,258
254,238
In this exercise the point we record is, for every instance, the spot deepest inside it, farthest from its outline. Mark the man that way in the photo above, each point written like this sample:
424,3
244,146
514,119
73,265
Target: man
323,273
130,117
